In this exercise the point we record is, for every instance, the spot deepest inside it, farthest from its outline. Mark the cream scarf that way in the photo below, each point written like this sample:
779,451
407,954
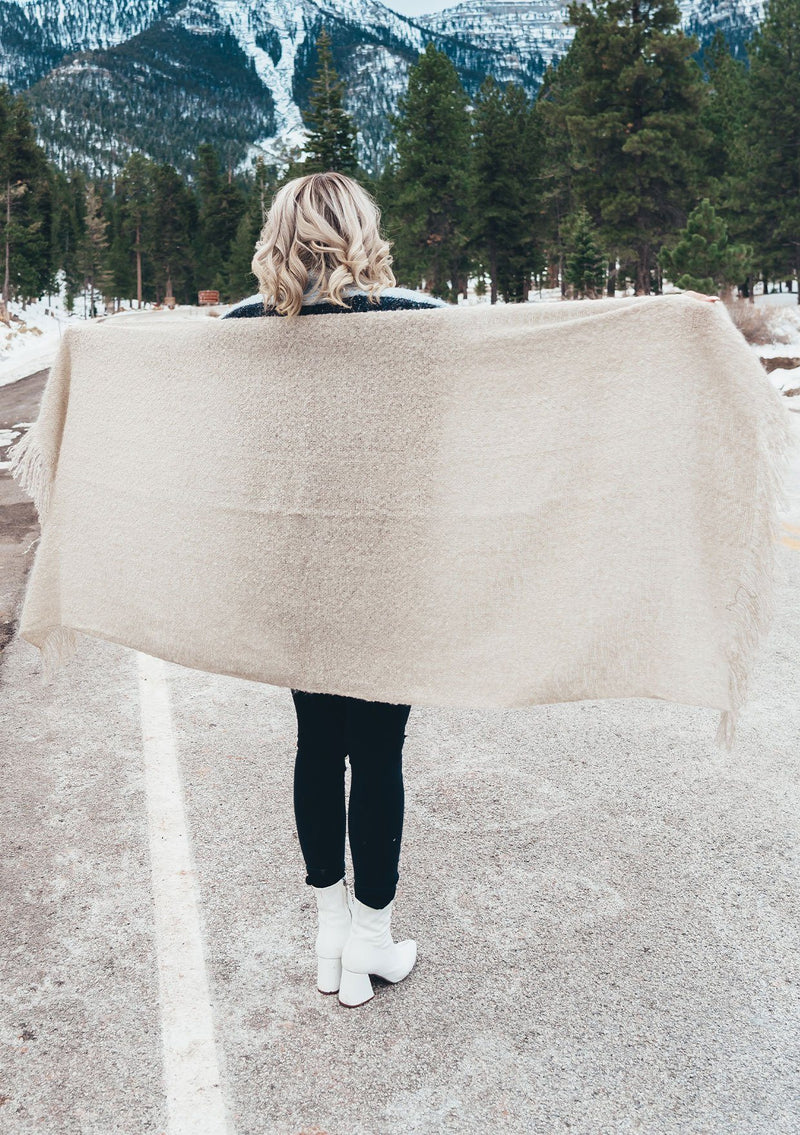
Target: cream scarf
465,506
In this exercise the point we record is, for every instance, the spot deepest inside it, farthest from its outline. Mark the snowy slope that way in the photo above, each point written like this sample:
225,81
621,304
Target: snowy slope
92,23
238,69
37,34
520,28
735,18
517,28
294,26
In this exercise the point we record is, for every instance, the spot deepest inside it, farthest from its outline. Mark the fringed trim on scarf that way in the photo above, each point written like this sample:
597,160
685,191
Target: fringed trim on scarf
753,606
58,647
31,470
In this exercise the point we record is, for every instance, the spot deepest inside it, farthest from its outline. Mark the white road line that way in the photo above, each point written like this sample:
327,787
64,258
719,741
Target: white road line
195,1100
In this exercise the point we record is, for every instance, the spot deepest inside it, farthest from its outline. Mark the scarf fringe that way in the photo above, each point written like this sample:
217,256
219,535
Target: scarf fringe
753,607
32,471
57,648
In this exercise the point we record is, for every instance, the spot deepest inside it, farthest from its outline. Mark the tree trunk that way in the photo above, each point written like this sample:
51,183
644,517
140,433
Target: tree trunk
642,273
493,270
433,283
611,285
7,275
139,265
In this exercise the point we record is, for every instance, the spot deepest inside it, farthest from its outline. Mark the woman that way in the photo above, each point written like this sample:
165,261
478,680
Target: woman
321,252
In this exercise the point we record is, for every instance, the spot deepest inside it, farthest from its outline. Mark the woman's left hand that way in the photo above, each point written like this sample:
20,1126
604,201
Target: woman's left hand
700,296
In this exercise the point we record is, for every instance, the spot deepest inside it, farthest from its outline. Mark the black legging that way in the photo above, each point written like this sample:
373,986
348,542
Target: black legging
330,726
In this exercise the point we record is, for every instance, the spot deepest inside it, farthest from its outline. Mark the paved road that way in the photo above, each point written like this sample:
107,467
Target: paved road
606,908
19,406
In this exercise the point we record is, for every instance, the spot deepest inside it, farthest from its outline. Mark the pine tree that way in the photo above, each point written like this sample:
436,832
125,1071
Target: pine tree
26,189
427,184
221,208
240,278
92,250
133,221
633,118
174,213
60,231
557,190
502,213
729,160
585,259
68,228
724,115
331,141
772,139
703,259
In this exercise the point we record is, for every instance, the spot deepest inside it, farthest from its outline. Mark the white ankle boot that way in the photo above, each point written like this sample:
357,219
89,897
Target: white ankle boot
370,949
333,910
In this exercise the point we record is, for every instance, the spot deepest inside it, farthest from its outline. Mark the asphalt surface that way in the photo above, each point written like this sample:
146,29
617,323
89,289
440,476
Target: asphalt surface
19,528
606,909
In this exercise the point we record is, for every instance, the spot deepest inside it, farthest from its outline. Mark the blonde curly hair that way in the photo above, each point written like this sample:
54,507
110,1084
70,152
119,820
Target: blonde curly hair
321,235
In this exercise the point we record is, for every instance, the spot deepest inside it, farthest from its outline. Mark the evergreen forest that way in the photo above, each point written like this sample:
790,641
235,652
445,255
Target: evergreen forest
635,164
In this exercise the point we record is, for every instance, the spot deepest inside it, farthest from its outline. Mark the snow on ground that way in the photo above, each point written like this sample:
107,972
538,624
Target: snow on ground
786,322
786,326
30,345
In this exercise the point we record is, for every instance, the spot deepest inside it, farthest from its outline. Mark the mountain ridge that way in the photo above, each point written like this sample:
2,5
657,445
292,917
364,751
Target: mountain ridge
106,78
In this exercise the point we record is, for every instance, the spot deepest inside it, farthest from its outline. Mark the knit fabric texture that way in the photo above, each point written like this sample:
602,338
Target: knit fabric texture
475,506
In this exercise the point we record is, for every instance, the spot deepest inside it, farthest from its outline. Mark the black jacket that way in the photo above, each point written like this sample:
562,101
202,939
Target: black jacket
391,299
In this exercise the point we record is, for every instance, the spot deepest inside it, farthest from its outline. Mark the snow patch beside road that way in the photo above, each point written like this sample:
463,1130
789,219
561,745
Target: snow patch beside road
30,345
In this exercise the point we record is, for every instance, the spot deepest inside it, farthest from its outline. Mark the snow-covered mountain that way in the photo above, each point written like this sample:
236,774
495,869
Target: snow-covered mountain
530,27
515,29
520,29
105,77
736,19
36,34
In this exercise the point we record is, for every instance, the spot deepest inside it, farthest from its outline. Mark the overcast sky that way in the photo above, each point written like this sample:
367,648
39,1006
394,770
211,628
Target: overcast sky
418,7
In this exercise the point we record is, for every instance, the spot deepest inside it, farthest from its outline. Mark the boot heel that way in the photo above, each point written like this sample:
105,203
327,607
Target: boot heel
355,988
329,974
